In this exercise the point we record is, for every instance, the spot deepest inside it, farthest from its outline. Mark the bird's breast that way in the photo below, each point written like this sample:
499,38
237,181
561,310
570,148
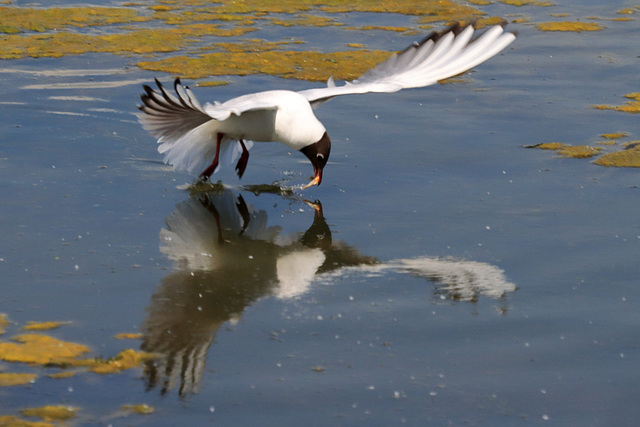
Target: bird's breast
296,125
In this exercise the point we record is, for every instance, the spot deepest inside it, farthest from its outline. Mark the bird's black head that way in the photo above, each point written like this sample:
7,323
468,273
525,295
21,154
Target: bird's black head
318,154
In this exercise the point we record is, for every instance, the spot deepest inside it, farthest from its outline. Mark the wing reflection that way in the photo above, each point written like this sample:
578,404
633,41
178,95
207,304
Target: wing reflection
227,256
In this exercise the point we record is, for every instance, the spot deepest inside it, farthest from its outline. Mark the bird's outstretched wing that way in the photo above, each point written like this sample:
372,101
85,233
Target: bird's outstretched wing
186,129
169,117
437,57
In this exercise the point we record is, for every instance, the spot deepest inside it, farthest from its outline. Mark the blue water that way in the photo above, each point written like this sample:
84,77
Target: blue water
453,276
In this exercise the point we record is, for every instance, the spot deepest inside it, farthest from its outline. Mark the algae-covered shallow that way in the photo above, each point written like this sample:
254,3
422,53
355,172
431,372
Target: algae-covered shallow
442,273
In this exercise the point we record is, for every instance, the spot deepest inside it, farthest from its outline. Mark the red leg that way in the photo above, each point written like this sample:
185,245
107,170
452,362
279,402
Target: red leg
212,167
244,158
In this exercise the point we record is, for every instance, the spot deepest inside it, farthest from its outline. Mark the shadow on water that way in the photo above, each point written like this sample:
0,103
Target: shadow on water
227,256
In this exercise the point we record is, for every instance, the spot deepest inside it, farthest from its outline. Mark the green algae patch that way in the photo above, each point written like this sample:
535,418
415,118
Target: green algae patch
12,421
305,20
187,16
570,26
3,323
632,106
626,11
566,150
443,8
11,379
40,349
128,336
43,326
210,83
549,146
252,45
135,42
51,412
126,359
26,19
142,409
163,8
379,28
578,151
629,158
310,66
182,24
615,135
520,3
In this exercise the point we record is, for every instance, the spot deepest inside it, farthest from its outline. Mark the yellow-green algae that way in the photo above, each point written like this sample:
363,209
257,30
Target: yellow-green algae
311,66
566,150
632,106
128,336
190,21
12,421
527,3
610,138
579,151
379,28
628,10
443,8
305,20
51,412
190,16
40,349
570,26
629,158
251,45
614,135
17,19
133,42
142,409
630,144
548,146
8,379
210,83
3,323
126,359
42,326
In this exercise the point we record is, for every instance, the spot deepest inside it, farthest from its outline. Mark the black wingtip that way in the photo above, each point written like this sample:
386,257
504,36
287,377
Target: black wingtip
455,28
147,89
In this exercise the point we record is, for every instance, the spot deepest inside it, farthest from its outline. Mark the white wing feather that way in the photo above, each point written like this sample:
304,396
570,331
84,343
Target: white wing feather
185,129
437,57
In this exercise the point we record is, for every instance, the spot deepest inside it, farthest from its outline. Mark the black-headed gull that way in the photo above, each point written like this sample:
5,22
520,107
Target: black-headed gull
192,136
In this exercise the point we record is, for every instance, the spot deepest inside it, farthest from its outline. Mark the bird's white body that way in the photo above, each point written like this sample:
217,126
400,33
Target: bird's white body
190,135
291,120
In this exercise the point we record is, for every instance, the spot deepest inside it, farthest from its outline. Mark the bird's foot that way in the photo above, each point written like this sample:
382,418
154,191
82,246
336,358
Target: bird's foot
242,164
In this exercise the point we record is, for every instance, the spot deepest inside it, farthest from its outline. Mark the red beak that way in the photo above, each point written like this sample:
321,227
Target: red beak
317,179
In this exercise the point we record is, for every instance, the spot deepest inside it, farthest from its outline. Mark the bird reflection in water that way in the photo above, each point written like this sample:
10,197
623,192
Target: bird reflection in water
227,256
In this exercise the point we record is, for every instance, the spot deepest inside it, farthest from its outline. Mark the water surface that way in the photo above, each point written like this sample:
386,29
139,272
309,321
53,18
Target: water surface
442,274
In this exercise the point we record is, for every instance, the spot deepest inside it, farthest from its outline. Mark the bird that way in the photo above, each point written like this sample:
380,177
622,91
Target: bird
194,137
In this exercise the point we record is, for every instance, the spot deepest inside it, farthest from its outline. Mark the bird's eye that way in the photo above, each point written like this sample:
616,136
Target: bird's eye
320,156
